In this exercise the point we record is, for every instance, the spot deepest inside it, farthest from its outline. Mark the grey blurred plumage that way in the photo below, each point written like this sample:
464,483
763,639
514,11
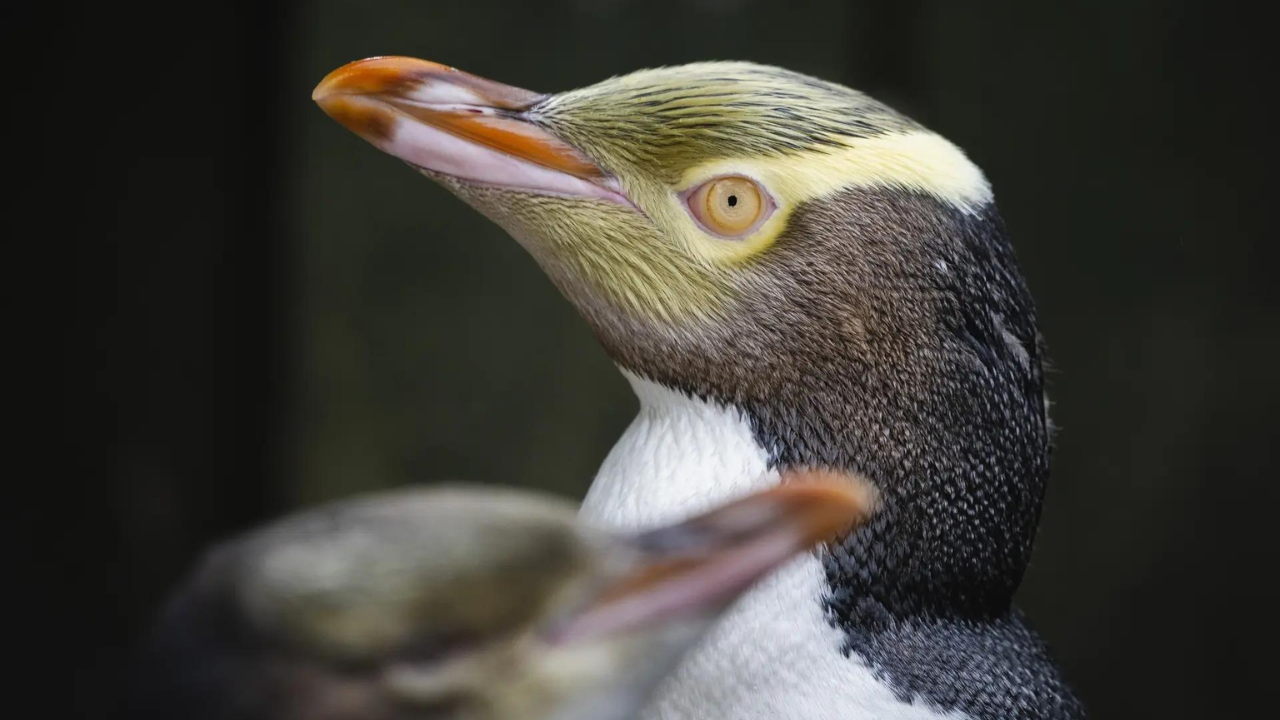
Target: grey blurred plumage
460,602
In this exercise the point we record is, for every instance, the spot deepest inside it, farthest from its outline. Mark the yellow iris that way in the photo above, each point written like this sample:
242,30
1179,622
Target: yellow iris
728,206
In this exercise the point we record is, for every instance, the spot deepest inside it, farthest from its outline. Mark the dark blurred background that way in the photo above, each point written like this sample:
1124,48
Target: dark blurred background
255,311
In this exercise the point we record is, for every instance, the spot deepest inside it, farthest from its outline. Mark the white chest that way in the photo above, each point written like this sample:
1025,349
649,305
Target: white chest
773,656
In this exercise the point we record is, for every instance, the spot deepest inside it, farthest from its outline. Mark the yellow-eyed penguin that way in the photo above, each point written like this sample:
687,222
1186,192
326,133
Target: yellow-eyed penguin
790,274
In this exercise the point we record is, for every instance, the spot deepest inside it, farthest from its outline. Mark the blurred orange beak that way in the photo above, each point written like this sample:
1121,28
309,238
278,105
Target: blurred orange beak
697,567
451,122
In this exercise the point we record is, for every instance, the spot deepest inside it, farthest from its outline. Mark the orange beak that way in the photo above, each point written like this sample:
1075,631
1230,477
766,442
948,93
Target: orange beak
699,566
457,124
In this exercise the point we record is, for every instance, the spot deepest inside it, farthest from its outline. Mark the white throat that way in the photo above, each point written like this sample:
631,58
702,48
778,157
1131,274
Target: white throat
774,655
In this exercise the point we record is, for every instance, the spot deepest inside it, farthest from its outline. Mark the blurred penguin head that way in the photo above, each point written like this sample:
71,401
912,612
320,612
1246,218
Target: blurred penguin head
465,603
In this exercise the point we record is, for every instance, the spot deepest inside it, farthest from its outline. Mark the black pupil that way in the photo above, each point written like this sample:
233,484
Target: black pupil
733,201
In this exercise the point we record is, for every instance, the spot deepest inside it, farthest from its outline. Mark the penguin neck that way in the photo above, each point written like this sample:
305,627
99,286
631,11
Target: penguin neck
949,539
682,455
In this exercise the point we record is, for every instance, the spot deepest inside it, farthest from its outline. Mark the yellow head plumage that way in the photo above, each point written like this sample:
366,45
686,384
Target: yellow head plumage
655,136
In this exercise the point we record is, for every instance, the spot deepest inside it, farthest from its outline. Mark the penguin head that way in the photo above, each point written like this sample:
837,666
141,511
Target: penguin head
461,603
659,198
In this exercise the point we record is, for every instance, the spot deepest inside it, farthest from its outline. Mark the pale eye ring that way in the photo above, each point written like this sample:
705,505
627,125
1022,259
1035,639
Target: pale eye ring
729,206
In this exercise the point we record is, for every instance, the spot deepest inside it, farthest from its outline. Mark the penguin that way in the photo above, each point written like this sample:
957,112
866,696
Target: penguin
791,275
464,602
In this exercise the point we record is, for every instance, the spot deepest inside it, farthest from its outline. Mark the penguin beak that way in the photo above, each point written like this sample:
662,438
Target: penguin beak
695,569
451,122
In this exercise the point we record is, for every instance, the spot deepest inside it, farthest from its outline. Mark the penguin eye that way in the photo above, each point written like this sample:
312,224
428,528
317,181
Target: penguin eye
730,206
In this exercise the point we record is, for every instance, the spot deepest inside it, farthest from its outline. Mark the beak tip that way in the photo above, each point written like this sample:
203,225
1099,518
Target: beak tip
349,93
331,87
831,503
377,75
370,121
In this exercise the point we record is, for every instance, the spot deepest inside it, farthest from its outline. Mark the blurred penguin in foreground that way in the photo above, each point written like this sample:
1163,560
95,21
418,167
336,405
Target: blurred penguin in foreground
465,603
